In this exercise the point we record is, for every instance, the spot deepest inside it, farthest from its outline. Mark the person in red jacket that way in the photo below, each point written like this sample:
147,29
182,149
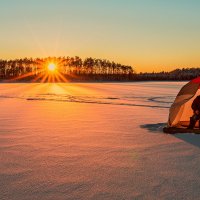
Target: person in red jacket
196,115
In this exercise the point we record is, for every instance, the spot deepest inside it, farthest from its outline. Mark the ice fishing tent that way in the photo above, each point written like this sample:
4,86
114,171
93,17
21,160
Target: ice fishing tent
181,111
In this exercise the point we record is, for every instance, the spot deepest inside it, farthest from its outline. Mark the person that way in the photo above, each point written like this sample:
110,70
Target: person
196,116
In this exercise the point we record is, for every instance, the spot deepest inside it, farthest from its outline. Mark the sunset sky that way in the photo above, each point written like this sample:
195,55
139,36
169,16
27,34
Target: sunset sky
150,35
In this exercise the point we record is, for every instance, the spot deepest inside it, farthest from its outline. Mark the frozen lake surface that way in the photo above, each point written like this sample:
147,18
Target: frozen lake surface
94,141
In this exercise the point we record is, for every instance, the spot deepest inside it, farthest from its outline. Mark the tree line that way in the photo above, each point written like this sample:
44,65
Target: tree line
89,69
67,66
184,74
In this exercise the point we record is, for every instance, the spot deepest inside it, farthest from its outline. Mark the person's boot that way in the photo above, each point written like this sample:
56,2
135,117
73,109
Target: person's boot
192,123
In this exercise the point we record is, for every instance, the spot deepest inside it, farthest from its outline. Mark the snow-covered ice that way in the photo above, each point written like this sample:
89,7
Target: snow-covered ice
94,141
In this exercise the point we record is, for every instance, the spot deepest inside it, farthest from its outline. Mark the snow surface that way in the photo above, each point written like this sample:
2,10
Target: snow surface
94,141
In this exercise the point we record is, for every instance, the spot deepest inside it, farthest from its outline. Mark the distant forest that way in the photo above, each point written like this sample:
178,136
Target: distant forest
184,74
72,68
89,69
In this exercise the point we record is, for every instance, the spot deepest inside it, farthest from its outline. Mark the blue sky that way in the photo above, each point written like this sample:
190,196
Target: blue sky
151,35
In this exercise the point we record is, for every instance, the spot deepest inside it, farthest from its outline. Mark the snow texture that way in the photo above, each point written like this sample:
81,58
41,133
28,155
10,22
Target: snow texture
99,141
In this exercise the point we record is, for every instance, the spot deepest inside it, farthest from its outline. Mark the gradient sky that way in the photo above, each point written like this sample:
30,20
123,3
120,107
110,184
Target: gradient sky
150,35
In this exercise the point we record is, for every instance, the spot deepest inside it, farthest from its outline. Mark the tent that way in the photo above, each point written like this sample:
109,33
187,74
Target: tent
181,111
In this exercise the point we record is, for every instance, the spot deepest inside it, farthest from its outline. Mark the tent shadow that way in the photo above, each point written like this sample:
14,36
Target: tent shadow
154,128
190,138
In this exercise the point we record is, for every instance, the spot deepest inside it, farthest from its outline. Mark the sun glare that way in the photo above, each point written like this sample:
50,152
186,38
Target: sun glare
48,70
51,67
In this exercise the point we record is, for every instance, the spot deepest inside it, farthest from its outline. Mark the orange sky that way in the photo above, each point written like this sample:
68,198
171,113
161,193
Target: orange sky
150,35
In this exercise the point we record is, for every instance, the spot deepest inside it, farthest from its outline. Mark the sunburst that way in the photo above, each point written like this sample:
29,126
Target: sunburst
47,70
52,67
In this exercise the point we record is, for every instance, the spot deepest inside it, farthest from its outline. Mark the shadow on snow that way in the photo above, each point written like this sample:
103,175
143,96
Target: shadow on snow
190,138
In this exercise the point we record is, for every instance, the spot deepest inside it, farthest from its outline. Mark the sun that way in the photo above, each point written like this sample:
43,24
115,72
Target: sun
52,67
49,70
